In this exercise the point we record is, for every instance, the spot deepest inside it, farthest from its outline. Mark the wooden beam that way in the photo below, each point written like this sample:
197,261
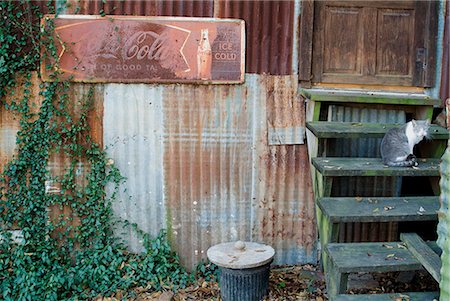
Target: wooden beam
426,256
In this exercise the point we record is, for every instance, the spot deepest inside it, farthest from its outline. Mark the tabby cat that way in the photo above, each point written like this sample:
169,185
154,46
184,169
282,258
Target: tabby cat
398,143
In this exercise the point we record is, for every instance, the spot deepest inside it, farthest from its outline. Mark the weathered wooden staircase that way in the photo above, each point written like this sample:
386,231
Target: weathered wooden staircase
410,252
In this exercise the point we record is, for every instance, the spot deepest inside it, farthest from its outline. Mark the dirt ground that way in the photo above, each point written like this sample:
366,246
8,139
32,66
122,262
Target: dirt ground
303,282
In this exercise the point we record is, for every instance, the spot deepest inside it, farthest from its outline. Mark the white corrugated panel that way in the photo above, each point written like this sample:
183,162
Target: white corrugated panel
133,127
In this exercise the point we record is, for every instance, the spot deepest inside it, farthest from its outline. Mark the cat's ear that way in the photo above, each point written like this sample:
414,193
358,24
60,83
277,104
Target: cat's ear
413,121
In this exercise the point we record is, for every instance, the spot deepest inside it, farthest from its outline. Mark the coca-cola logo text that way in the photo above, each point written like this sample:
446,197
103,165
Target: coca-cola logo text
147,45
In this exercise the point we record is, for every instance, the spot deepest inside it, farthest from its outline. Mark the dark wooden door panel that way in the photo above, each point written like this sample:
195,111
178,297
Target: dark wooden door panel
395,42
342,35
371,42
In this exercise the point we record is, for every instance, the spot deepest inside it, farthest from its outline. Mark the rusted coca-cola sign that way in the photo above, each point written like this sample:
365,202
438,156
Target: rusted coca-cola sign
148,49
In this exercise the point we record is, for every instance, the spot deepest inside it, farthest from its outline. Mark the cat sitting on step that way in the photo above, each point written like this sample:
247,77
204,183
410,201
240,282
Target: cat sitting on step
398,143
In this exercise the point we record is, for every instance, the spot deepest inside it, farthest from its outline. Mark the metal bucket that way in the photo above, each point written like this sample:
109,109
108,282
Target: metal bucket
244,269
244,284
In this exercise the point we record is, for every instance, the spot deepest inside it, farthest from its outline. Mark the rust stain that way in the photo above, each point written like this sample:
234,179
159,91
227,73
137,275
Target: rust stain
63,217
207,166
77,98
284,106
179,8
9,120
58,162
445,79
270,33
286,206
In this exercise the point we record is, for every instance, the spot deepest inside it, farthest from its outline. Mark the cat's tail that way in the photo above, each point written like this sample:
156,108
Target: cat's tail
410,161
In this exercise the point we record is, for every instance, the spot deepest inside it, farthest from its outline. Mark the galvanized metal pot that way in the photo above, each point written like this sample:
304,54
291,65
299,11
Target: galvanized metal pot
244,269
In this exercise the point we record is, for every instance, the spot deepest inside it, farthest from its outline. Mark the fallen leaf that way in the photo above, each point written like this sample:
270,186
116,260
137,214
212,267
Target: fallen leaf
390,256
376,210
387,208
401,246
421,209
388,246
358,199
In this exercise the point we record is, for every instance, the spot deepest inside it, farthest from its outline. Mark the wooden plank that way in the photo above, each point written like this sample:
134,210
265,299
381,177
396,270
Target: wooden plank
329,95
336,281
329,129
323,185
341,167
371,257
430,43
426,256
379,209
305,40
390,297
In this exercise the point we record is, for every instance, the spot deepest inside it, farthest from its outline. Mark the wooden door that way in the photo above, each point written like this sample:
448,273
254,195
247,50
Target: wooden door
374,42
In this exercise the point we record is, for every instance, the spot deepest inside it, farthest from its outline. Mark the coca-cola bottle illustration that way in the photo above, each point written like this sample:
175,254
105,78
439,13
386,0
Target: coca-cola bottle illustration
204,56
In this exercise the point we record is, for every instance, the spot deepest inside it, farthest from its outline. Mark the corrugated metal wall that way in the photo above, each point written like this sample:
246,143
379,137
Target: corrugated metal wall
197,162
445,77
178,8
9,121
444,225
132,137
270,33
197,158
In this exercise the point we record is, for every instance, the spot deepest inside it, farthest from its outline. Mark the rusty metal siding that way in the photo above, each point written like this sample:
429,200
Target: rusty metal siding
9,121
179,8
269,31
208,165
9,126
445,77
286,112
202,151
189,8
285,206
443,226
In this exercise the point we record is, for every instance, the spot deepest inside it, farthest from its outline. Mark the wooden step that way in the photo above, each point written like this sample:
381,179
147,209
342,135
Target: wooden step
326,129
427,257
341,167
371,257
345,258
358,96
410,296
379,209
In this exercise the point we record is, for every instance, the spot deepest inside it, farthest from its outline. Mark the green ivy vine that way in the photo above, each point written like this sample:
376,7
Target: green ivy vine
72,255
